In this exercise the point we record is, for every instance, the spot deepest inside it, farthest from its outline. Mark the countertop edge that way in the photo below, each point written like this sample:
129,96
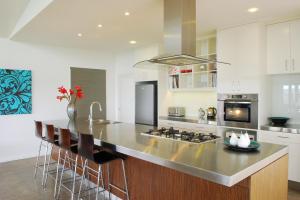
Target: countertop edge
256,167
201,173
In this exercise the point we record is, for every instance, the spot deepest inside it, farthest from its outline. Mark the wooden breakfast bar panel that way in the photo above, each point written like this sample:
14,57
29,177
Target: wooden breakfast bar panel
148,181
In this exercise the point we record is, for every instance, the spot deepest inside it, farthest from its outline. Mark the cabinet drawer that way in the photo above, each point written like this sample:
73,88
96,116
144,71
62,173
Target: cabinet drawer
278,137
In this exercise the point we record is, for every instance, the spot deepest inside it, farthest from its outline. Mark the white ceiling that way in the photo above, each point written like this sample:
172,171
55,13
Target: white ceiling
60,22
10,11
218,14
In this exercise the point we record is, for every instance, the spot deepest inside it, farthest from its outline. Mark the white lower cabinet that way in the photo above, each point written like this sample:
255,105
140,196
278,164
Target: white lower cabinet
293,142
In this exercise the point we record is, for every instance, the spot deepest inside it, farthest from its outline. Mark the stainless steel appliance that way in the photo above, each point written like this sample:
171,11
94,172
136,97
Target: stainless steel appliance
176,111
188,136
179,36
211,113
238,110
146,103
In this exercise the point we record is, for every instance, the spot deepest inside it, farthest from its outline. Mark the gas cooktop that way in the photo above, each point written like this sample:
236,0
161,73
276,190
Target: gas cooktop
182,135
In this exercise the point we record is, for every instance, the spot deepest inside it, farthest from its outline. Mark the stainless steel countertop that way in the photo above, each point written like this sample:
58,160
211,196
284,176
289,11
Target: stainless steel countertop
189,120
288,128
210,161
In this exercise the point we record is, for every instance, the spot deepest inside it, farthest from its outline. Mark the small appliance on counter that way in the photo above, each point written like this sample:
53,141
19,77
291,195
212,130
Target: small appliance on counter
176,111
201,114
211,113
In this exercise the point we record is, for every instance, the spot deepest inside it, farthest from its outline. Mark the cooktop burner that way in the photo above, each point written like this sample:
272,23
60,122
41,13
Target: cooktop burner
189,136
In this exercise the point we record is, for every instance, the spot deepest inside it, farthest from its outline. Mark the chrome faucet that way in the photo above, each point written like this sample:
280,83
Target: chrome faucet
91,109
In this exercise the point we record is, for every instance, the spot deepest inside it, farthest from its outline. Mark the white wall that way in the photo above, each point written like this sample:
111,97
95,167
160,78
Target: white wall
50,68
127,75
192,101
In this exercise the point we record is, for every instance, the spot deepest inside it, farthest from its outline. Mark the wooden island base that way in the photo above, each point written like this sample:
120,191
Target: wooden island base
147,181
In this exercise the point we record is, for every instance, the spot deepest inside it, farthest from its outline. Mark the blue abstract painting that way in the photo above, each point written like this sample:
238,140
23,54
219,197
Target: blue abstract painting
15,92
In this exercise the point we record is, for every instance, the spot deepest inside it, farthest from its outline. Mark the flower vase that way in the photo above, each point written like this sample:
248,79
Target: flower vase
72,111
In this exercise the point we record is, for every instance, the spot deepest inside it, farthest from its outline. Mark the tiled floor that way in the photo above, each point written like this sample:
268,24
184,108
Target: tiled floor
17,182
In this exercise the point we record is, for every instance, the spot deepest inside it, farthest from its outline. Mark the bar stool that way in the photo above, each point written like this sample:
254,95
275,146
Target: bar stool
52,140
69,147
85,149
43,143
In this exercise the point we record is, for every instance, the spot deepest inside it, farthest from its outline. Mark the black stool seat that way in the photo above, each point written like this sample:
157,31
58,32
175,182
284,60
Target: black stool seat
103,157
74,149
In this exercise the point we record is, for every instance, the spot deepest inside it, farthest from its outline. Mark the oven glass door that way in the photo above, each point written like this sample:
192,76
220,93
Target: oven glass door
237,111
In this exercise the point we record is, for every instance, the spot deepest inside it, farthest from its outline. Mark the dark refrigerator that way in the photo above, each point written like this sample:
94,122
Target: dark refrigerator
146,103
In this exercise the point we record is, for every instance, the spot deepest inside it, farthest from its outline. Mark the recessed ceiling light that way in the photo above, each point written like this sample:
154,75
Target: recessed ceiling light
99,25
132,42
79,34
252,10
127,13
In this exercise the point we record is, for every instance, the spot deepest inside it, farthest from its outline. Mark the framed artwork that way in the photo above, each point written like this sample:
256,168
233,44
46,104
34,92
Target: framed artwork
15,92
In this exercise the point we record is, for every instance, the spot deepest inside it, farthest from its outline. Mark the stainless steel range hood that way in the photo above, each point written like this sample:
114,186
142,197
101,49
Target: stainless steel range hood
179,35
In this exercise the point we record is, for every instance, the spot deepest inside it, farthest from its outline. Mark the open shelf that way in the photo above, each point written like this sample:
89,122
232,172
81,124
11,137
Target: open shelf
200,77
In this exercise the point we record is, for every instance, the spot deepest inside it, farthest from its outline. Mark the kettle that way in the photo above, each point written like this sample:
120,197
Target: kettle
211,113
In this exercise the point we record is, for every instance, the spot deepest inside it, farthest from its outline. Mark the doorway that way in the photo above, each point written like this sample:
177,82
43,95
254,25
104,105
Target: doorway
93,84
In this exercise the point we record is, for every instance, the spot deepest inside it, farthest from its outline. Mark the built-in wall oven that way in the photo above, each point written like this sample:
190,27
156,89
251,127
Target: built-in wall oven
238,110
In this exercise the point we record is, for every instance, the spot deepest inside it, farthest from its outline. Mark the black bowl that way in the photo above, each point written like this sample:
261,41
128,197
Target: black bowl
279,121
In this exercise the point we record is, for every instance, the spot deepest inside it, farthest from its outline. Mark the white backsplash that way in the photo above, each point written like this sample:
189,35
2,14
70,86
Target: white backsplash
192,101
286,97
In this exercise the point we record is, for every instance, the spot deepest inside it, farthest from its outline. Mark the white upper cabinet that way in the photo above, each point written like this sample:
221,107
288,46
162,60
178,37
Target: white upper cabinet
295,46
278,48
242,47
283,50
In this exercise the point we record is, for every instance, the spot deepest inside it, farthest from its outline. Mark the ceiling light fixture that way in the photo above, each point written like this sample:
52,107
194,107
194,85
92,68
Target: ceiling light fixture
79,34
252,10
132,42
100,25
127,13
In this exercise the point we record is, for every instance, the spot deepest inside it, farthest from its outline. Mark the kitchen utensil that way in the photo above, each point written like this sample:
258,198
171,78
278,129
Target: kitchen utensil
201,112
252,147
211,113
279,121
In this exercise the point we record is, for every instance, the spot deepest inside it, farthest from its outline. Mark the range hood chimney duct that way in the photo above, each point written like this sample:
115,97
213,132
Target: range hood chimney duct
179,35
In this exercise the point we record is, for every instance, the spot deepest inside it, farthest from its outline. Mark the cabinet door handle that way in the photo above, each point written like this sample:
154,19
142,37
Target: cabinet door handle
293,64
286,65
285,137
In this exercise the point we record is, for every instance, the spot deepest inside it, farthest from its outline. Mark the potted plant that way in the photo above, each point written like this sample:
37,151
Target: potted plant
71,95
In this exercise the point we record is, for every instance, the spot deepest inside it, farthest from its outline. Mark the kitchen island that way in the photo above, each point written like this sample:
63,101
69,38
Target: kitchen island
159,168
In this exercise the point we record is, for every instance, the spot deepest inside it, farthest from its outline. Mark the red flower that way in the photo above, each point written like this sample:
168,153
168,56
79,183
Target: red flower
71,92
78,88
62,90
59,98
79,94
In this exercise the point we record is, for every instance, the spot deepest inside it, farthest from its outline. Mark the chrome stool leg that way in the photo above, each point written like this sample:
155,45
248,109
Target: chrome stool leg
57,170
37,159
108,181
74,177
85,177
45,161
125,191
82,178
61,176
125,179
47,168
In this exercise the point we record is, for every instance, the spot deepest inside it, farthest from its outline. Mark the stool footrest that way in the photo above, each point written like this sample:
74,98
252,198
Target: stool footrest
116,187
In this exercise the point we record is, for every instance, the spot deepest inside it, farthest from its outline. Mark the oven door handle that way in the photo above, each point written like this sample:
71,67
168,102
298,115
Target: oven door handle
240,102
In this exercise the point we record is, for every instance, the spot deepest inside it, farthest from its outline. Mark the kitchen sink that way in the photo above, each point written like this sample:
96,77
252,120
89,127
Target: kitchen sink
102,121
